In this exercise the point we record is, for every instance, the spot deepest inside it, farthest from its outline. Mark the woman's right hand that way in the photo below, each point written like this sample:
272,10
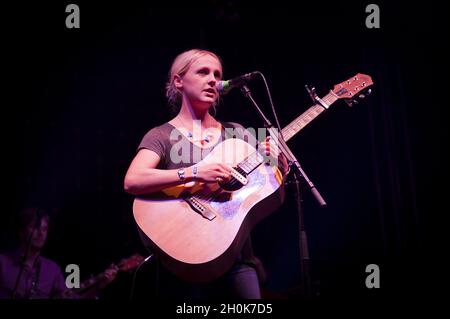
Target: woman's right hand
212,173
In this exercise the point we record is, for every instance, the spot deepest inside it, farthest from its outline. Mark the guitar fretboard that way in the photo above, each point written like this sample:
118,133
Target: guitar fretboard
255,159
251,162
307,117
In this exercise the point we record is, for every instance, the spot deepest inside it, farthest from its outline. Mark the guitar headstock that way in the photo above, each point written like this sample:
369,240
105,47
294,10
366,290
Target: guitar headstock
130,262
354,89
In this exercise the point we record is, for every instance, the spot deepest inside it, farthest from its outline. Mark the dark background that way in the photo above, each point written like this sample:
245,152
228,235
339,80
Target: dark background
81,100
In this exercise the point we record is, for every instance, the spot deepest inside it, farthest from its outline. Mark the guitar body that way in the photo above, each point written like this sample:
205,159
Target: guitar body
200,249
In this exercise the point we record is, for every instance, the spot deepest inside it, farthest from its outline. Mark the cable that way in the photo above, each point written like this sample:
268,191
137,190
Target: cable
135,274
270,100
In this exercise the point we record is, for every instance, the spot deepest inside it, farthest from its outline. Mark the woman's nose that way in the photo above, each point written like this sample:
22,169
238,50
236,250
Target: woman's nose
212,79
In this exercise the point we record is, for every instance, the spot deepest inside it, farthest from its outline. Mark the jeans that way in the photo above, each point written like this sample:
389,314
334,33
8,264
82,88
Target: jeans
240,282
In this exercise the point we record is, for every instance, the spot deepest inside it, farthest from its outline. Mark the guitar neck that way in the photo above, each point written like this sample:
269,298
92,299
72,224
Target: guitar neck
90,283
307,117
255,159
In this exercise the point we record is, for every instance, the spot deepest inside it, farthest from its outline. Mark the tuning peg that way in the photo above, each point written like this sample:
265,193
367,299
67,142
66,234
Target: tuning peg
365,93
349,102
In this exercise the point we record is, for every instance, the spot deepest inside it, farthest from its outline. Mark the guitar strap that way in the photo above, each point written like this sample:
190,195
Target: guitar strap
35,281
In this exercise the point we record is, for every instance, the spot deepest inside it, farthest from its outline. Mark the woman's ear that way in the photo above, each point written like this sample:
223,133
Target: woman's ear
177,81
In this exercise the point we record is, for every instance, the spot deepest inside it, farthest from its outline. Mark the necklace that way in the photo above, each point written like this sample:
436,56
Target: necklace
202,141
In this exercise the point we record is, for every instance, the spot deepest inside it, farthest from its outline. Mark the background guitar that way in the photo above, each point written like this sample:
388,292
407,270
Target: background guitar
89,288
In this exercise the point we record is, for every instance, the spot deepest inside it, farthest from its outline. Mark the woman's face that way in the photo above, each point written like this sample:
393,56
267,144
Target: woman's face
198,85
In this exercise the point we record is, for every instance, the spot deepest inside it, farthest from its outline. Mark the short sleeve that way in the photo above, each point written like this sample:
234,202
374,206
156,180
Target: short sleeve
154,141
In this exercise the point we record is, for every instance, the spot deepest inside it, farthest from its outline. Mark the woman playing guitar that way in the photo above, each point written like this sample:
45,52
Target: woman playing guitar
169,156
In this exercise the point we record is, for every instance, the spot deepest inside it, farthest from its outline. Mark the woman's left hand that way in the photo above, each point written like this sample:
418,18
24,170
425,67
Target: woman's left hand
273,152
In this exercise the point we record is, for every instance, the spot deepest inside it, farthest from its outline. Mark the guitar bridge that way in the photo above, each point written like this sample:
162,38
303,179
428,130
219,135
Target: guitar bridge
237,175
199,207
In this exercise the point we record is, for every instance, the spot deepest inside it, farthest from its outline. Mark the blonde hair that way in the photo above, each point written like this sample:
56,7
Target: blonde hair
180,66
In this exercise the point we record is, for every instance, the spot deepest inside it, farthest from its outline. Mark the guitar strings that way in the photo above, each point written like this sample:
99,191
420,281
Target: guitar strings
208,195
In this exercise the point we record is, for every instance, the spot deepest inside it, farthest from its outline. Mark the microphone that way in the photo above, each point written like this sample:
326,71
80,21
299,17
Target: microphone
223,87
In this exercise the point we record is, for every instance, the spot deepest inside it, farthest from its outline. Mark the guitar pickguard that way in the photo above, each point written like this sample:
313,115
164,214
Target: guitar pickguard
256,181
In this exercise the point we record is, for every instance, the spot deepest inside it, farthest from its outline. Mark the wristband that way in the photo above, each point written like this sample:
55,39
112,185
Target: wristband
194,172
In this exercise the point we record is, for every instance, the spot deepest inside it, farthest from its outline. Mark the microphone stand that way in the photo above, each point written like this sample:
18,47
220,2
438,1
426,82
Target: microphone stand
298,173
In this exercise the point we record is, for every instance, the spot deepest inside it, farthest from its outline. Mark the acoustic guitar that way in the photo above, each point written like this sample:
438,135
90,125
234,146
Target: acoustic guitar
198,230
